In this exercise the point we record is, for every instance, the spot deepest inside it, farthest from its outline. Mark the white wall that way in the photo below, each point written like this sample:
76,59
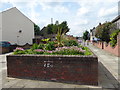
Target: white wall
0,26
92,35
12,22
118,24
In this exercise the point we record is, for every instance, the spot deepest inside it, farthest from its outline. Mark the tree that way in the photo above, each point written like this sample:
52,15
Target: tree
53,28
36,29
59,36
49,29
64,27
57,23
86,35
103,31
113,37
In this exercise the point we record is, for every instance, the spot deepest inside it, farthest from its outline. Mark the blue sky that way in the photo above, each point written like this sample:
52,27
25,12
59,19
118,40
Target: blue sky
81,15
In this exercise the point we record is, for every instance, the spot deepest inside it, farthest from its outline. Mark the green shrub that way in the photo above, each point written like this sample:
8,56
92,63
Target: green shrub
87,51
69,51
37,46
38,51
51,50
80,46
34,46
40,46
113,38
46,40
29,51
19,50
70,43
50,46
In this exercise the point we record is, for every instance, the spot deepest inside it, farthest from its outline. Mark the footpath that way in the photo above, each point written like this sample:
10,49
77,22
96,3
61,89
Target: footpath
109,61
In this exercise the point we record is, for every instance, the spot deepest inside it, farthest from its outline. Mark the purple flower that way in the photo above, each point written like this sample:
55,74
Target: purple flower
75,48
50,51
19,48
39,50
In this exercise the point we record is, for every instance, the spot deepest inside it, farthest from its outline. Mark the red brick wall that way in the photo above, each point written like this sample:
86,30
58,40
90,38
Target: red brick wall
4,50
71,69
98,44
114,50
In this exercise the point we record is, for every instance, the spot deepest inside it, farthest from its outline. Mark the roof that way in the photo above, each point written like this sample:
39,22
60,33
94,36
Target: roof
116,19
19,11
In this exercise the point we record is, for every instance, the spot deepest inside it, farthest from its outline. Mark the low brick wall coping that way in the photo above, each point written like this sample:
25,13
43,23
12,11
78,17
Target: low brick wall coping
36,55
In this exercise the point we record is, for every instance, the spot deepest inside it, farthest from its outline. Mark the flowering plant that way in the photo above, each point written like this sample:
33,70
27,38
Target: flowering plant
74,50
39,51
19,48
50,49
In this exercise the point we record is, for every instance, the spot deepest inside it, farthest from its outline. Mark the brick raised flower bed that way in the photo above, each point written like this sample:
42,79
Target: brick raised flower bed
61,68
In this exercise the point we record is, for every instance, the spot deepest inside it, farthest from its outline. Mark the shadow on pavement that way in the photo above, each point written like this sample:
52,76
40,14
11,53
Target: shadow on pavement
106,79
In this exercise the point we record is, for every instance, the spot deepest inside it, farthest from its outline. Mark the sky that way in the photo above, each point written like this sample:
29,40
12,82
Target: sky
80,15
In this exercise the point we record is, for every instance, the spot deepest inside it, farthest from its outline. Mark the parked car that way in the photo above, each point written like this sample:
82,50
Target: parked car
4,47
5,44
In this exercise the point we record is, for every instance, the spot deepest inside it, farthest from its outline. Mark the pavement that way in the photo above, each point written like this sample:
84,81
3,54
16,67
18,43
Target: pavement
107,76
110,61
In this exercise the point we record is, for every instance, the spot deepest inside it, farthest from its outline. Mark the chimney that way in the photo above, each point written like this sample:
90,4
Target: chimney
99,23
51,20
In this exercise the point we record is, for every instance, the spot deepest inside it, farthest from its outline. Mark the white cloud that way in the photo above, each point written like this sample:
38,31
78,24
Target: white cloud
97,1
107,12
44,5
81,22
76,31
61,9
82,11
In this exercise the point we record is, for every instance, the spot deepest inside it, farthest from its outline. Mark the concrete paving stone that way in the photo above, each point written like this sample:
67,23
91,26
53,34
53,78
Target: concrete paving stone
95,88
4,65
4,89
14,88
114,82
17,86
31,84
21,83
106,85
34,89
68,88
10,83
53,89
81,88
106,58
109,89
115,85
45,84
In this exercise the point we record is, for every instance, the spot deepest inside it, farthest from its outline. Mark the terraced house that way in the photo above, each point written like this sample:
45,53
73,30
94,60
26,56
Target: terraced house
16,27
116,21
